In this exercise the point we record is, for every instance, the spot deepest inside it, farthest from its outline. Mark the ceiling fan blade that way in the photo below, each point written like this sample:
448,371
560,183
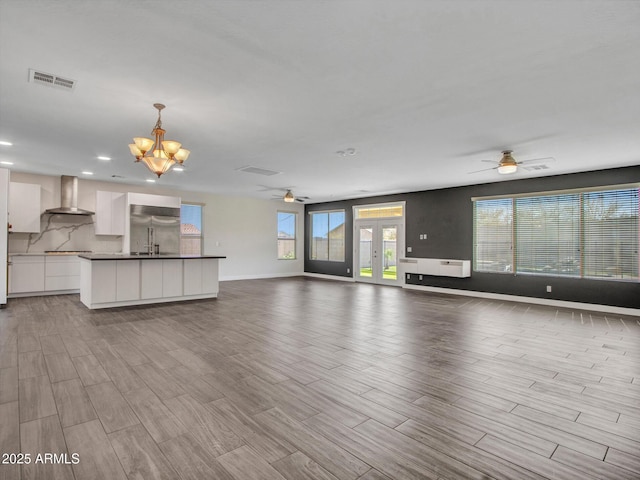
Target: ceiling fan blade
490,161
483,170
537,160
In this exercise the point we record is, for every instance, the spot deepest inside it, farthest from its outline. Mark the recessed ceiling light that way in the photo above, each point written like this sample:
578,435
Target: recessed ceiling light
102,157
8,144
151,180
87,173
178,169
4,162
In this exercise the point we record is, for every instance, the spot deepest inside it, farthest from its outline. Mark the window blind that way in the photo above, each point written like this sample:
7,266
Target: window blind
611,234
548,235
590,233
493,233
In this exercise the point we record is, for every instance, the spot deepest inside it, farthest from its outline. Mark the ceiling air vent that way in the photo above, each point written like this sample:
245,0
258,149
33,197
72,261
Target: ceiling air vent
532,168
258,171
50,80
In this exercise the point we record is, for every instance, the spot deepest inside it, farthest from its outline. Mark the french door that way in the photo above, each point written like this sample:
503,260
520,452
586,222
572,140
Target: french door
378,245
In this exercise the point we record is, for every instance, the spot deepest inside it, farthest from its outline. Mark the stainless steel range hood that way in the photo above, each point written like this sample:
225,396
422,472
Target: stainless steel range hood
68,198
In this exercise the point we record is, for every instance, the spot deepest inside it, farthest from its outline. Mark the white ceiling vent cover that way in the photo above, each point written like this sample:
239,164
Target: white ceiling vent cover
532,168
51,80
258,171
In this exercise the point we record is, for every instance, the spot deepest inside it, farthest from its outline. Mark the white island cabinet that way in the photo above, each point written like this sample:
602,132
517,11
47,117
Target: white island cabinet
122,280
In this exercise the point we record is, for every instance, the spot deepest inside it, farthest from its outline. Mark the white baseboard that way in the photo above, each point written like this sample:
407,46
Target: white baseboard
537,301
257,277
329,277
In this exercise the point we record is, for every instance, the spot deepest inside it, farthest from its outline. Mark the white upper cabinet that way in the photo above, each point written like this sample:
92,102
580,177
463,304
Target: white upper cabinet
110,213
24,207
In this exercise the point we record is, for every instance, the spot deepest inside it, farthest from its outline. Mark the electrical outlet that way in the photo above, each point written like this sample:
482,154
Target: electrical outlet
348,270
409,249
419,277
548,288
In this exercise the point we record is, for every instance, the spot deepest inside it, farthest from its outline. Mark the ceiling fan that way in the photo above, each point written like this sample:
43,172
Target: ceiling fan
289,197
507,164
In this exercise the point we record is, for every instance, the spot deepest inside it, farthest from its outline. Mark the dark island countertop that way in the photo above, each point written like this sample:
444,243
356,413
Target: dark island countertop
103,256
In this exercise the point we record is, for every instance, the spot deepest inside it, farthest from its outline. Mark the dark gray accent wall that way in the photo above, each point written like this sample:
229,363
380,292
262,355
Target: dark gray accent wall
446,216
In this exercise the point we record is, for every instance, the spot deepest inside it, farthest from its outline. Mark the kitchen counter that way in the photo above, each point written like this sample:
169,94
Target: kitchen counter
120,256
121,280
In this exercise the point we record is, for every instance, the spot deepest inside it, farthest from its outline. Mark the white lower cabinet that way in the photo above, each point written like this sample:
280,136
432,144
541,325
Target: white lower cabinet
61,273
127,280
210,275
192,277
171,278
103,281
43,274
151,279
26,274
200,276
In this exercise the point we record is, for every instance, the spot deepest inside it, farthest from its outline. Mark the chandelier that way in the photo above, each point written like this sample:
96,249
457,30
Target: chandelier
166,152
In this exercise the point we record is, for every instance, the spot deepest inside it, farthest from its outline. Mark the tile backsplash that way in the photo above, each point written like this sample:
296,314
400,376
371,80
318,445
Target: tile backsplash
64,232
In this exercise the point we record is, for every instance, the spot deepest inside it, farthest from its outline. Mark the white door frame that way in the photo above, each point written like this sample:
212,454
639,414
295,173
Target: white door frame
378,224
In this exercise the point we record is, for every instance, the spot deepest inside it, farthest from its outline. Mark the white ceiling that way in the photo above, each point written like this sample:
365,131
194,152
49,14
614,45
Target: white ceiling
422,90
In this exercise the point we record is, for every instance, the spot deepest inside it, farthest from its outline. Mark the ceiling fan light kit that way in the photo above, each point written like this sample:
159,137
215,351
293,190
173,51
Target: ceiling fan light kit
288,197
507,164
166,154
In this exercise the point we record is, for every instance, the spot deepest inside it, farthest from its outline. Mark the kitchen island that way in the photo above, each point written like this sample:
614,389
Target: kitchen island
122,280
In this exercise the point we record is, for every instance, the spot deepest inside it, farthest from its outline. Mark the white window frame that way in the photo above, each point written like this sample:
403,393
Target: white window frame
295,234
344,239
583,264
201,236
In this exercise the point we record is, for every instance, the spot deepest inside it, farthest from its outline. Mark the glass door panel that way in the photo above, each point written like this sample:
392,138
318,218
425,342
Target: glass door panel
365,257
378,244
389,252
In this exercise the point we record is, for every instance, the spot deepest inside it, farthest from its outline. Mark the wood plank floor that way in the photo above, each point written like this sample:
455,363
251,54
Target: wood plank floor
303,378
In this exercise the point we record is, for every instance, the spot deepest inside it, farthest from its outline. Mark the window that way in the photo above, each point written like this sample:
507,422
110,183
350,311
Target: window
610,234
493,234
386,211
327,236
590,233
548,235
286,236
190,229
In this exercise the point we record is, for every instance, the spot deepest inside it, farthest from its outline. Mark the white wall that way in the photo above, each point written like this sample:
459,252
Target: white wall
243,229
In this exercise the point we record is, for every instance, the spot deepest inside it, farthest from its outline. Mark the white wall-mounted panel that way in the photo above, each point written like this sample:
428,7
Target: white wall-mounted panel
436,266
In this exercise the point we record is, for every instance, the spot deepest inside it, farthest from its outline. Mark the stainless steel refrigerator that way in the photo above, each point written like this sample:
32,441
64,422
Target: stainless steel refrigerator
154,230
